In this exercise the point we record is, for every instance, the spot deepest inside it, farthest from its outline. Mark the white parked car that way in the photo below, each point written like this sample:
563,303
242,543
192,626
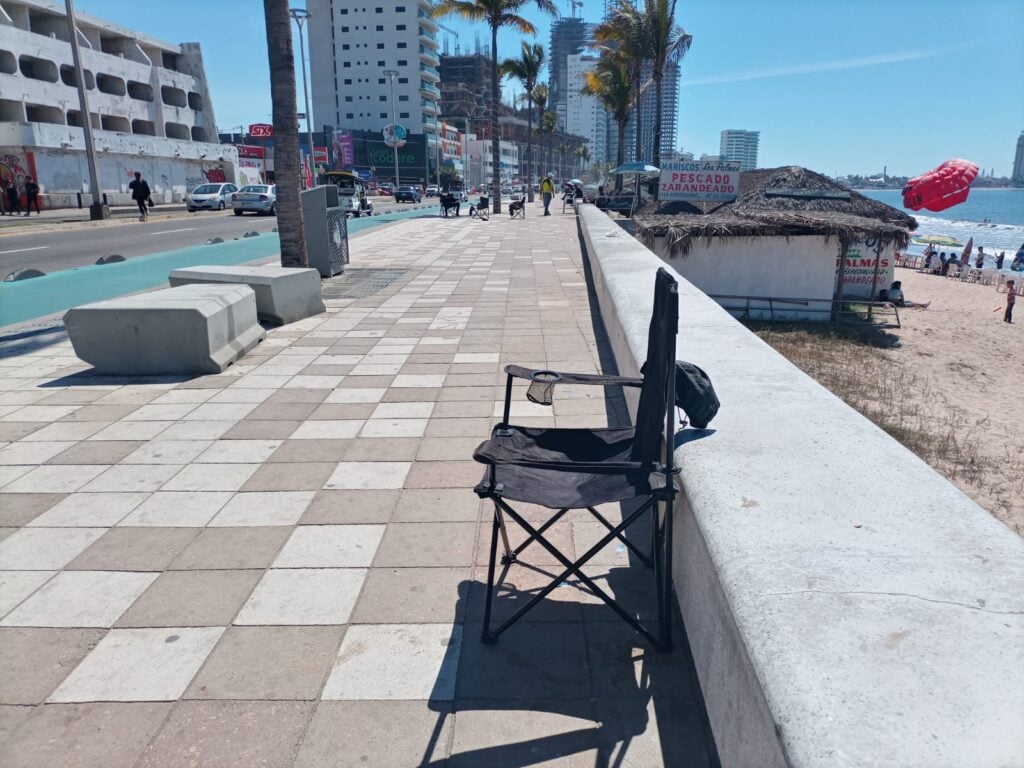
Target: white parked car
261,199
209,197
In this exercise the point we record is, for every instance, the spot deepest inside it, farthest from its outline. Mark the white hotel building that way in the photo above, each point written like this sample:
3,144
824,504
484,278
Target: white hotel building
148,100
352,43
740,145
584,115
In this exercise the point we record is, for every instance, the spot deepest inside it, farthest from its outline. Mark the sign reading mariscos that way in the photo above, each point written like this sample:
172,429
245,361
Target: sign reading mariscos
700,180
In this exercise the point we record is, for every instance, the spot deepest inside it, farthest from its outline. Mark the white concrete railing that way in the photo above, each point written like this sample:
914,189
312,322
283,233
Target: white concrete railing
846,605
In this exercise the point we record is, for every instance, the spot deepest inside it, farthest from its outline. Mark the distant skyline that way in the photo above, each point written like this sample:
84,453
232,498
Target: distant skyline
841,87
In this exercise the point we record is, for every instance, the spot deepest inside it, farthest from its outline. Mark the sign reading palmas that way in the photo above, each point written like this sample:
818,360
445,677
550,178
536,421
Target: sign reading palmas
700,180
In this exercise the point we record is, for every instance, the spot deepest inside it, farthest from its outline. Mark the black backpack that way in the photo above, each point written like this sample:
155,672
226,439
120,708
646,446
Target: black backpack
695,394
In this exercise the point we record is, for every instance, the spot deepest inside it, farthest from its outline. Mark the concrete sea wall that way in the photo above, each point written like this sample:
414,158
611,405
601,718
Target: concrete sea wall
845,604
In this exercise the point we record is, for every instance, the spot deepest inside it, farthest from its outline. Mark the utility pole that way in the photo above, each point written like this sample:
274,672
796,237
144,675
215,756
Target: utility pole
391,74
301,15
97,209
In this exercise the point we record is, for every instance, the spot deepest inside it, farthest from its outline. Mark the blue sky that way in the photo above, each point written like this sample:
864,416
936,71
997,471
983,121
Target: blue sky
842,86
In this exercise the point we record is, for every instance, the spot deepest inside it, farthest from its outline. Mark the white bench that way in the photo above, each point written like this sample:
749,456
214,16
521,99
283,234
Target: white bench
192,329
283,295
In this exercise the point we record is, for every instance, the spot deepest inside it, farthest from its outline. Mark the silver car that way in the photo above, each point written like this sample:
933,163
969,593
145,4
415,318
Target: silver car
209,197
261,199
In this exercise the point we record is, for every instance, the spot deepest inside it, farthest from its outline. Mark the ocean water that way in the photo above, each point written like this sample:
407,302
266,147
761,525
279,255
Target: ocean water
1003,230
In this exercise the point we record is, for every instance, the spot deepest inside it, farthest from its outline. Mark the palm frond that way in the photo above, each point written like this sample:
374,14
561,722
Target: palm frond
464,9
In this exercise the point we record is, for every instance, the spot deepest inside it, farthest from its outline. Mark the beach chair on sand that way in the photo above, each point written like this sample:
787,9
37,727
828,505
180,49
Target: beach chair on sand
563,469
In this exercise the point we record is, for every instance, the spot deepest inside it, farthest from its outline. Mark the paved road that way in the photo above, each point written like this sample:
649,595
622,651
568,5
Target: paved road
82,244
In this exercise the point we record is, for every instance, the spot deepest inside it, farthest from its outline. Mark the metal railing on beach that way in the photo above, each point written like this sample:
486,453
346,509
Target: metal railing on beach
787,309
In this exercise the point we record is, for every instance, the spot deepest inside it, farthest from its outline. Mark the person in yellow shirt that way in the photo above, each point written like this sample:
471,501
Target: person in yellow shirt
547,189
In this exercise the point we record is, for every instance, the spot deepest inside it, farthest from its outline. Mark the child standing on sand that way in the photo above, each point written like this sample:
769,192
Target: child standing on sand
1011,299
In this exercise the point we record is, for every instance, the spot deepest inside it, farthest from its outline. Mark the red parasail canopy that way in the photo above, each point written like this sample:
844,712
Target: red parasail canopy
942,188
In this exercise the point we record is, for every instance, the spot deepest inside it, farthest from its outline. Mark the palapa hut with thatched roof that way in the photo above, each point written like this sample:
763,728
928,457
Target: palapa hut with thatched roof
782,237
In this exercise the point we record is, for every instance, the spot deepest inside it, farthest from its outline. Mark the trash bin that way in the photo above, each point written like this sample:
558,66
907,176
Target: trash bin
326,230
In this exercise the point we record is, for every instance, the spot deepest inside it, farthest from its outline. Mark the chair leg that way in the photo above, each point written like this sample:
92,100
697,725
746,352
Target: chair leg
666,544
515,553
621,537
487,636
575,568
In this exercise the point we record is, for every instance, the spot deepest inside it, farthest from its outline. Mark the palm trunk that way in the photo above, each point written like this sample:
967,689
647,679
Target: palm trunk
286,133
657,118
657,126
620,152
529,151
495,141
636,117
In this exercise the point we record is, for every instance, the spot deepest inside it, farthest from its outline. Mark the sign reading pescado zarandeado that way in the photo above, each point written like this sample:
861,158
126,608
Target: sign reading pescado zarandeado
700,180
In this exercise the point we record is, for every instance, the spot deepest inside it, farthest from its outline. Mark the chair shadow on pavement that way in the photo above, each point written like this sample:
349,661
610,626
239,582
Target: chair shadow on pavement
570,684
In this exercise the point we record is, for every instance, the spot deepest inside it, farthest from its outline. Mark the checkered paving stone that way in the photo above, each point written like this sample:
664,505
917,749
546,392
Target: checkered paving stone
282,565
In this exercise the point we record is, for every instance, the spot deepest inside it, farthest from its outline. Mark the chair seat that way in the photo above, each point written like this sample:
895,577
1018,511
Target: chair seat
568,481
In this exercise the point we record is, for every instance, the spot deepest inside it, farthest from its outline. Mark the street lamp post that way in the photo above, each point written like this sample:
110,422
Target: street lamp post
97,210
301,15
391,74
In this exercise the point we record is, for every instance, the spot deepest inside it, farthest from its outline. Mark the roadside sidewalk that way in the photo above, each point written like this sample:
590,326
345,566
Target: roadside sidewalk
283,564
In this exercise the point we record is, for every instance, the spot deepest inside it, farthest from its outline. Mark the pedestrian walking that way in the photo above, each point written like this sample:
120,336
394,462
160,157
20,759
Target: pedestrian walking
140,194
31,196
547,190
1011,299
13,202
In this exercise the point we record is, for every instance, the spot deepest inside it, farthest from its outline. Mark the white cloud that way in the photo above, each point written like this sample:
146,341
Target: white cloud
806,69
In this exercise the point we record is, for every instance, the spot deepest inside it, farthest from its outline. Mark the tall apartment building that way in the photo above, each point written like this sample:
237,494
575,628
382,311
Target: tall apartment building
647,111
740,145
149,106
568,36
584,114
1018,160
352,44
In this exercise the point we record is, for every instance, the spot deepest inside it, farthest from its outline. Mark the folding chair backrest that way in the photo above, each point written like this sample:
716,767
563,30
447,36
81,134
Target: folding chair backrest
655,397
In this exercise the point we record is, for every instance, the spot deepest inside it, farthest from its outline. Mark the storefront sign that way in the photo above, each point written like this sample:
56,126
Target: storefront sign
261,130
700,181
320,154
344,149
256,153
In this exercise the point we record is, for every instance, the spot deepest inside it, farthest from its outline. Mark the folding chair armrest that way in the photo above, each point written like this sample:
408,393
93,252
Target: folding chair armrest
562,377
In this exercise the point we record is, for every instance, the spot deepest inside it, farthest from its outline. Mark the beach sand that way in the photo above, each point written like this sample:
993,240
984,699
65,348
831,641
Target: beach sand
969,367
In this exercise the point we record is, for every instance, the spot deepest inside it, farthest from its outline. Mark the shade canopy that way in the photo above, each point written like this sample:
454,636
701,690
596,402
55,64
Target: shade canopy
946,240
636,168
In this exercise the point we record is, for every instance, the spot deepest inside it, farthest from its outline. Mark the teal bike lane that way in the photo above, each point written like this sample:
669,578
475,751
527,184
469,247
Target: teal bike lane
26,300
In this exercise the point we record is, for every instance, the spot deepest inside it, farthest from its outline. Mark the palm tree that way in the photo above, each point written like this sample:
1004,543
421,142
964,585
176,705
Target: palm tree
526,69
286,133
609,83
548,124
539,98
583,155
497,14
561,150
624,33
667,43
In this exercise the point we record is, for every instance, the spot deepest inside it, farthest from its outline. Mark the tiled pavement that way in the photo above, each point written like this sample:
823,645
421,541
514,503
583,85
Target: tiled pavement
282,565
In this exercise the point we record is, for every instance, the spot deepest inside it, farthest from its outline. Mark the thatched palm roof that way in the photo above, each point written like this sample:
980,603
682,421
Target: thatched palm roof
757,213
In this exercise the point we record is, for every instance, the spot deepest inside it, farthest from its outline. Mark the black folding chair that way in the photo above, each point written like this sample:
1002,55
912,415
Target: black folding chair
564,469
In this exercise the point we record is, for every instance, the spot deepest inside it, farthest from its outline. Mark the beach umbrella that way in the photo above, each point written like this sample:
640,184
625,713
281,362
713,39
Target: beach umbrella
946,240
940,188
640,169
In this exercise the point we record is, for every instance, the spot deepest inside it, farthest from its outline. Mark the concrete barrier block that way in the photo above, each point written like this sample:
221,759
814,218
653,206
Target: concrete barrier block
283,295
191,329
